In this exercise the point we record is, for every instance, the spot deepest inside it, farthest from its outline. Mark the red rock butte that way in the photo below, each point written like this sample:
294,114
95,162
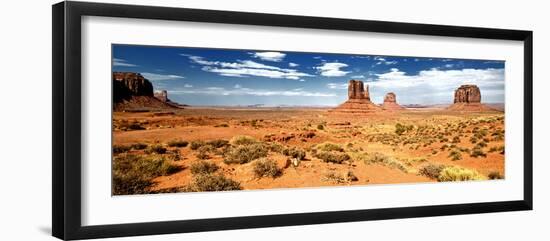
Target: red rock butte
468,98
390,103
358,100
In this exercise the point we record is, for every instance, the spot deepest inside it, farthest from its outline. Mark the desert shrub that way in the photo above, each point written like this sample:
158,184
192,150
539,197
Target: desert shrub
473,139
133,174
332,156
328,146
495,175
265,167
275,147
320,127
203,167
333,177
481,144
222,125
400,128
117,149
157,149
431,170
244,154
477,152
131,126
203,152
212,182
218,143
450,174
456,139
455,155
194,145
350,177
295,152
379,158
177,143
138,146
243,140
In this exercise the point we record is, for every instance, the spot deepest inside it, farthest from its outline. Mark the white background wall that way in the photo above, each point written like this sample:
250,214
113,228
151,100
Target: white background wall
25,119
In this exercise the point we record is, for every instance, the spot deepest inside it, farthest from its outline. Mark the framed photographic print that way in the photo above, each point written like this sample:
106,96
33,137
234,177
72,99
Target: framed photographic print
169,120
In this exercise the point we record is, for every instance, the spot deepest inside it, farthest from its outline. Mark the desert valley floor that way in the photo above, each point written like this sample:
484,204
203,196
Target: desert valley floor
263,148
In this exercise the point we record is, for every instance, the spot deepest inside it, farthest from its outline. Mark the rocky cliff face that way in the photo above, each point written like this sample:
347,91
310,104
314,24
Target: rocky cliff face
468,98
467,94
162,95
358,100
390,102
132,91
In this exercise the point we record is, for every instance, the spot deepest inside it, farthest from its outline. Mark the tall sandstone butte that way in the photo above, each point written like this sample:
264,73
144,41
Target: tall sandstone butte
468,98
390,102
358,100
132,91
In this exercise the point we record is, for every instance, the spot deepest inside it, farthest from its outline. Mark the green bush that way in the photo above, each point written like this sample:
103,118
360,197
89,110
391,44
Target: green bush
332,156
431,170
243,140
245,153
295,152
203,167
265,167
177,143
212,182
157,149
449,174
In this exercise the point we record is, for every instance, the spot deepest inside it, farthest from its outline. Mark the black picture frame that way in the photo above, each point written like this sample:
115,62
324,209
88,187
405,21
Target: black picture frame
66,141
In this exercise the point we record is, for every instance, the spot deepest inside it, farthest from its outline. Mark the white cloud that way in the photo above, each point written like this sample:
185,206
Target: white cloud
253,92
187,86
332,69
269,56
237,86
122,62
339,86
247,68
293,64
437,86
157,77
301,80
358,77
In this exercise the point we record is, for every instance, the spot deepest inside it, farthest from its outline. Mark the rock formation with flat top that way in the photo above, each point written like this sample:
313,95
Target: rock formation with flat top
132,91
468,98
390,102
358,100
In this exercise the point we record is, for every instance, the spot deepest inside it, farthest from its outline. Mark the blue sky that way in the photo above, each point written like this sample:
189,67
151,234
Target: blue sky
205,76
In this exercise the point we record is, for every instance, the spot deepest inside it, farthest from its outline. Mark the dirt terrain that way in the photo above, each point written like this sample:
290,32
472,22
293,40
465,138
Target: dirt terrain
217,149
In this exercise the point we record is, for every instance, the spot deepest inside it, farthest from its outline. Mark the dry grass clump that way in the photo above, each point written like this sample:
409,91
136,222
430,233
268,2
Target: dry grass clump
138,146
329,146
379,158
451,174
194,145
400,128
294,152
133,174
333,177
244,153
332,156
243,140
455,155
117,149
211,183
203,152
265,167
495,175
219,143
431,170
222,125
477,152
203,167
177,143
155,149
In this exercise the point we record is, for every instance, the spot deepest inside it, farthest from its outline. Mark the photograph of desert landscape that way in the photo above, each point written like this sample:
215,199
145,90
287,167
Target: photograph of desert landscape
202,119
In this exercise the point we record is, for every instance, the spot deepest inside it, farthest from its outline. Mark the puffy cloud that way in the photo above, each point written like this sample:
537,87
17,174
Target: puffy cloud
332,69
340,86
247,68
293,64
158,77
269,56
254,92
